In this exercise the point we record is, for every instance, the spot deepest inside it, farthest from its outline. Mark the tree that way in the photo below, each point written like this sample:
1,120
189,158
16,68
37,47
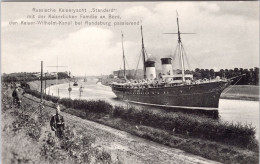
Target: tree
187,71
9,78
256,76
207,75
226,73
212,73
203,74
62,75
111,76
222,73
197,75
252,76
197,70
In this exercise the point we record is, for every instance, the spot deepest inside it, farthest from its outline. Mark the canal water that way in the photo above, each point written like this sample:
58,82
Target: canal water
244,112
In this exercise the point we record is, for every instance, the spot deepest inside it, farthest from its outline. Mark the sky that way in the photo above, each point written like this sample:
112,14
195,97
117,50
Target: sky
227,36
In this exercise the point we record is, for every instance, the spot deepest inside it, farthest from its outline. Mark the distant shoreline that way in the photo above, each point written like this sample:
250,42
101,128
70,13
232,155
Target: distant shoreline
241,92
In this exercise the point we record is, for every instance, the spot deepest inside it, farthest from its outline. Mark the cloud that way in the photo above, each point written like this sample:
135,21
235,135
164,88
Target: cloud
91,51
136,12
229,38
88,51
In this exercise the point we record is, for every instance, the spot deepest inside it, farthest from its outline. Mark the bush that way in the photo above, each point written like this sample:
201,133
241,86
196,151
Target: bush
238,134
98,106
67,102
118,111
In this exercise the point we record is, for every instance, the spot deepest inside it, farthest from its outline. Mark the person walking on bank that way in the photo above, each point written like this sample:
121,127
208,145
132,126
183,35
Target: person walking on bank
57,123
16,97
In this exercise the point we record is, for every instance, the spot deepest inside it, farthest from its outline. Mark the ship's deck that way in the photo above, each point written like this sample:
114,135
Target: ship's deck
161,85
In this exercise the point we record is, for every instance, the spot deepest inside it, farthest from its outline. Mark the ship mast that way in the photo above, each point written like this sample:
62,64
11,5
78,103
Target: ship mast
143,52
180,48
123,55
181,52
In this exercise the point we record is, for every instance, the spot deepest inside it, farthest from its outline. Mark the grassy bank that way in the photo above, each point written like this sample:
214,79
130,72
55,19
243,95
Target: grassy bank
220,141
241,92
28,139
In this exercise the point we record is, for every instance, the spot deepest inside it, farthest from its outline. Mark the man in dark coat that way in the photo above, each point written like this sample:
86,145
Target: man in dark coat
57,123
15,94
16,97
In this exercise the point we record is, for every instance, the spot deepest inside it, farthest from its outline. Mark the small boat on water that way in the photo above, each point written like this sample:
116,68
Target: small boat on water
169,89
75,84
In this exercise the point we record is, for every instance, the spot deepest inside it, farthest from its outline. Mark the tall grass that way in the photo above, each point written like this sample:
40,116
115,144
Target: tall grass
176,123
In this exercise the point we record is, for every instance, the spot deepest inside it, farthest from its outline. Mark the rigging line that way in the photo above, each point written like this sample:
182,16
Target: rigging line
232,85
174,57
120,65
139,59
138,63
127,63
183,59
179,58
194,60
179,52
175,53
145,53
186,57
